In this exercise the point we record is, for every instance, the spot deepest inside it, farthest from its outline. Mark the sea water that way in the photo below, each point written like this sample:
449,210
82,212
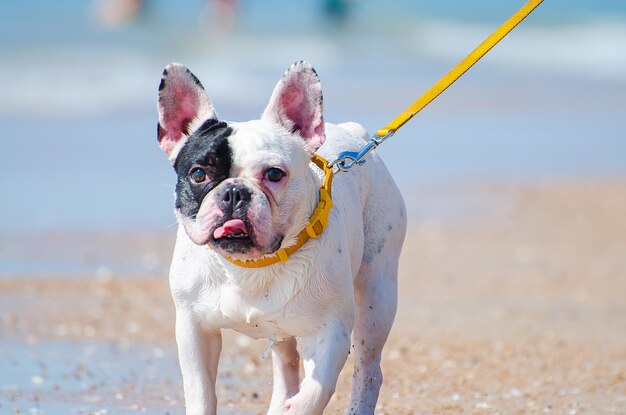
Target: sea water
83,181
77,101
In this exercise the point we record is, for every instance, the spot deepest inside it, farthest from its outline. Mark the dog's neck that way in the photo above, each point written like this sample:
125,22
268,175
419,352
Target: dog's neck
301,218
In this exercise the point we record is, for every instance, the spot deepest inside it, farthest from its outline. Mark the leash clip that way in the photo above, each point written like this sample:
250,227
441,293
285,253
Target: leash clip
348,159
267,351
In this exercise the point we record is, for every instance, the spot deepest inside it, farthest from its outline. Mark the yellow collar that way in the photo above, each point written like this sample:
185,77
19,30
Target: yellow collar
316,226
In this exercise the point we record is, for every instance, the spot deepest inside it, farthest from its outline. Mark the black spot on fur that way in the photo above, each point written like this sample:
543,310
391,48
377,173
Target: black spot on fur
165,72
380,246
160,132
373,248
389,227
208,148
185,126
161,84
195,79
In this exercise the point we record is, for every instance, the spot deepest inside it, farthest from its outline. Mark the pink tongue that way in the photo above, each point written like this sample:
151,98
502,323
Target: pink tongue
233,226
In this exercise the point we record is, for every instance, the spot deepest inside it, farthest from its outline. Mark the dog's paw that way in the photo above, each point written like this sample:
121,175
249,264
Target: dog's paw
298,407
311,400
278,409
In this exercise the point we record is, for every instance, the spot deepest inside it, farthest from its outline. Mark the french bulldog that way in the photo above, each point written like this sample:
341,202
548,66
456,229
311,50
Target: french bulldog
245,190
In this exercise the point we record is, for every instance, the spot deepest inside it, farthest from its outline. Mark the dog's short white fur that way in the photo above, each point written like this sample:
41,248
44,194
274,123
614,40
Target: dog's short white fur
336,294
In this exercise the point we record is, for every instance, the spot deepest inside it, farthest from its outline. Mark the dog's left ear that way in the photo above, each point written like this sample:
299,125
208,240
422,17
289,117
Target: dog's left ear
183,106
296,104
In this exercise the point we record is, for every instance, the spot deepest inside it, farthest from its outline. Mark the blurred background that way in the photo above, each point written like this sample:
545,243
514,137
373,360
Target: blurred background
77,107
537,127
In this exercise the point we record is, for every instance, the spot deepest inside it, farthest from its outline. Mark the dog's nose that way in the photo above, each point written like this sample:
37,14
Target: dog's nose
234,198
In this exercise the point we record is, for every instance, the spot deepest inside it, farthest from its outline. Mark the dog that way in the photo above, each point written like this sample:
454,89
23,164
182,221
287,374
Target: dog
244,191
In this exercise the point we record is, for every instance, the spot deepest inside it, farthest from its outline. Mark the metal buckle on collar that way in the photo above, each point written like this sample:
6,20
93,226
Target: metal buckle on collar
348,159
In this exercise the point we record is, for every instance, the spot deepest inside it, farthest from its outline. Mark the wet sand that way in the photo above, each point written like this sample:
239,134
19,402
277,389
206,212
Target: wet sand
517,308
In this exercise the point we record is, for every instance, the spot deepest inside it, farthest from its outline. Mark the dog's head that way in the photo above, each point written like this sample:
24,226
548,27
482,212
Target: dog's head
242,188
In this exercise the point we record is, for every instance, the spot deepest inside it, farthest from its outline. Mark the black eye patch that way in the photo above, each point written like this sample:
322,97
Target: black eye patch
208,148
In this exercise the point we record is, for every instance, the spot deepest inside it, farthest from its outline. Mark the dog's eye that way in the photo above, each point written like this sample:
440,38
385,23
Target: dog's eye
274,174
197,175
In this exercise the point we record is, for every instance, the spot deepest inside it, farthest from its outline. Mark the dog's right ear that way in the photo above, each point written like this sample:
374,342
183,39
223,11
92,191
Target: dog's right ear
183,106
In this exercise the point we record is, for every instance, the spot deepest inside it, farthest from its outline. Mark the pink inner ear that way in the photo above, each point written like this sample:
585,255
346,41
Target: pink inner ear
300,110
292,103
296,104
180,107
182,102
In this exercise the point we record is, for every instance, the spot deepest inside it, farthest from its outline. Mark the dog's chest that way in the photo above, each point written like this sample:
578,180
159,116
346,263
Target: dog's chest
273,313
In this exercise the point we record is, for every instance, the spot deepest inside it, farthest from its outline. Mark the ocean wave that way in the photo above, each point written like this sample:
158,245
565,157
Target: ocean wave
86,78
593,50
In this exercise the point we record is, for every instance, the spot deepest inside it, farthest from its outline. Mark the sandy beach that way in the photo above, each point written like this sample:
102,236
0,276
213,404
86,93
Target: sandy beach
513,276
517,310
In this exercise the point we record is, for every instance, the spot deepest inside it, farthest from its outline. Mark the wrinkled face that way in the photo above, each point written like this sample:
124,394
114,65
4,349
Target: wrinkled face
241,186
238,185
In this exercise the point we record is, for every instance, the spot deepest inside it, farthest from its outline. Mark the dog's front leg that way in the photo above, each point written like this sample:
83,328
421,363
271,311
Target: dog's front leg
324,354
286,362
198,353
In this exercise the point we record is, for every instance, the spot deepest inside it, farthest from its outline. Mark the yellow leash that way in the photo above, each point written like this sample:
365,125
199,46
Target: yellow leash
348,159
462,67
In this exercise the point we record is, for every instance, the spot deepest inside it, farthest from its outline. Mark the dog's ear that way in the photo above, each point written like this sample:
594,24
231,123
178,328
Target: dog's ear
296,104
183,106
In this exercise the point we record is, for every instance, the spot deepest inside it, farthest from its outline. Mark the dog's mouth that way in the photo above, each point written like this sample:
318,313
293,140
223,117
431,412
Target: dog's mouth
233,237
234,229
236,236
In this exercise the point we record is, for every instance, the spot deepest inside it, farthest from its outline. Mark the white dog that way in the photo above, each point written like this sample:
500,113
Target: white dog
247,190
